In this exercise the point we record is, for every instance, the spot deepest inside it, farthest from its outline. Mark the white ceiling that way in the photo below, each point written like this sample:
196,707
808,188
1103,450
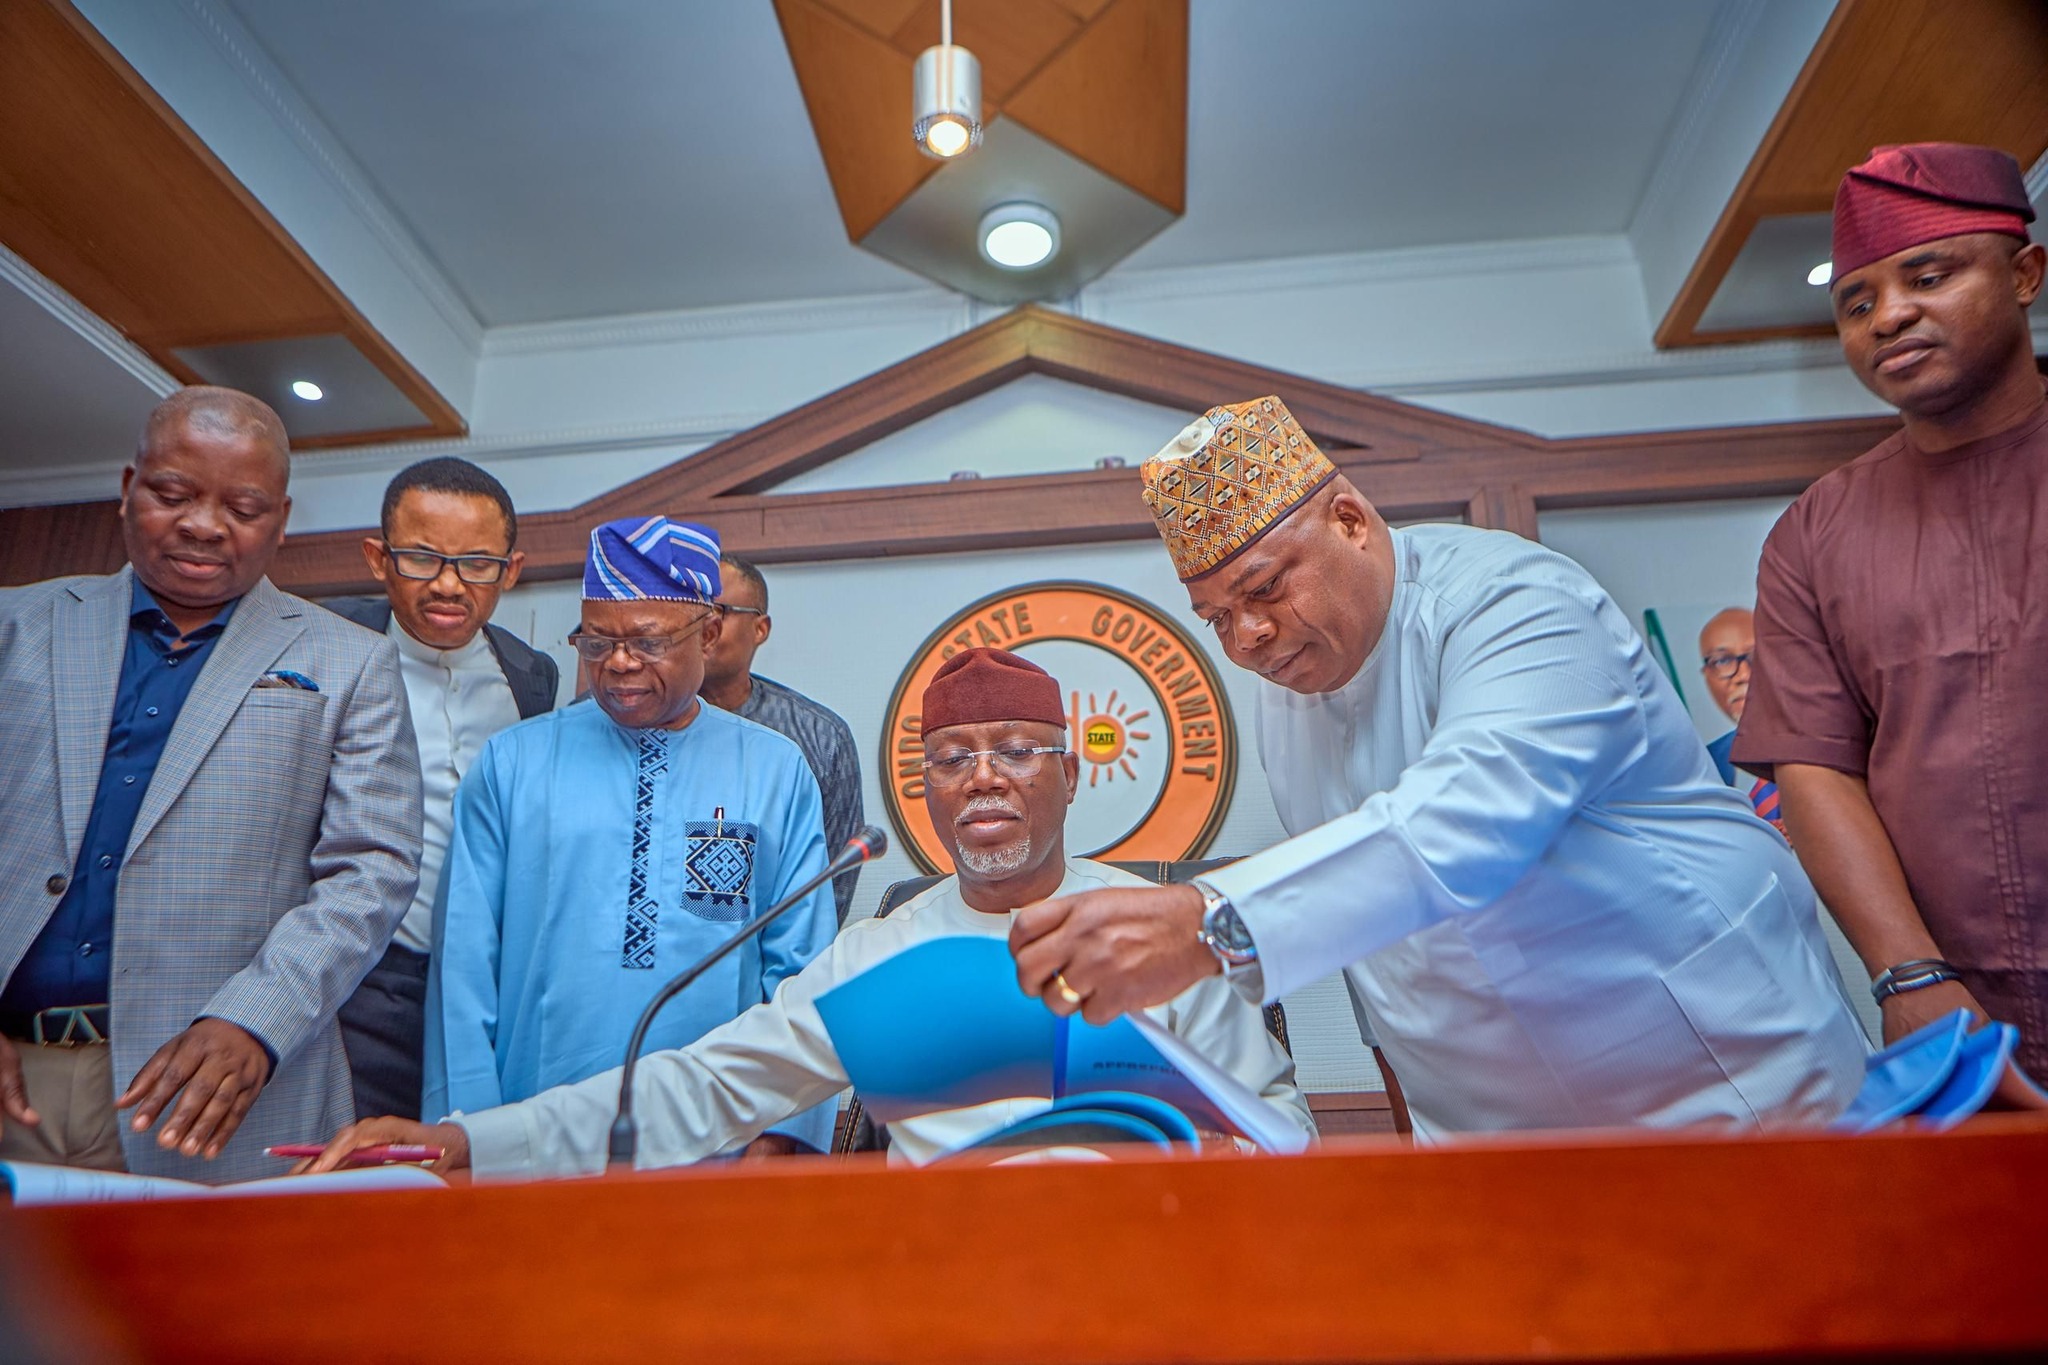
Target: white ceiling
583,159
63,401
1357,125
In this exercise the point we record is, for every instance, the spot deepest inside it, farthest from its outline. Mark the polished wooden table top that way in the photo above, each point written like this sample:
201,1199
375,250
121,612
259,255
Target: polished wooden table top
1606,1248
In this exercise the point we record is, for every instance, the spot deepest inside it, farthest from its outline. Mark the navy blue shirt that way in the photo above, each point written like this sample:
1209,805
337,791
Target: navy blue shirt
1718,751
69,962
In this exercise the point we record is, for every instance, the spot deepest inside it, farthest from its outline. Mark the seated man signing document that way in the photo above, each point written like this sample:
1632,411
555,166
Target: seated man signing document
1549,908
999,781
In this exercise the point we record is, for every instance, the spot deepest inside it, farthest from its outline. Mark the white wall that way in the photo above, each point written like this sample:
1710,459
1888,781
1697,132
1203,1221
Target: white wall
1688,558
1033,426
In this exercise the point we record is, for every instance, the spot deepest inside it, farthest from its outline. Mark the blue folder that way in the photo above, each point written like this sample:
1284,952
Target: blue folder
1906,1075
1939,1075
943,1026
1974,1077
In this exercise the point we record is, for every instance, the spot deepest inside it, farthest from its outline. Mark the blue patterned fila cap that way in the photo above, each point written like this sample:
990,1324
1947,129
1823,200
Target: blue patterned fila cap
651,558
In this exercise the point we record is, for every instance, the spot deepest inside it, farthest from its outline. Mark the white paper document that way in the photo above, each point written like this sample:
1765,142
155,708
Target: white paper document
36,1184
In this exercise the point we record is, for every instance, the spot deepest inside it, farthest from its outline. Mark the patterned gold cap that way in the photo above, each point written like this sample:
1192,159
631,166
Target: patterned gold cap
1228,479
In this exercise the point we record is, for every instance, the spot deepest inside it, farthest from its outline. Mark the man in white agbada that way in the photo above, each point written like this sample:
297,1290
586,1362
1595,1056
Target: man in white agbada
1549,909
999,781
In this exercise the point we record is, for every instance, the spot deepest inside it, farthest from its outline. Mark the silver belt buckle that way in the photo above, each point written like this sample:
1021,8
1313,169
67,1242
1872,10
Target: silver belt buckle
79,1028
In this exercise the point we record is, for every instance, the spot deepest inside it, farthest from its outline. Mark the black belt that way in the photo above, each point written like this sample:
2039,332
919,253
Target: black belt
59,1026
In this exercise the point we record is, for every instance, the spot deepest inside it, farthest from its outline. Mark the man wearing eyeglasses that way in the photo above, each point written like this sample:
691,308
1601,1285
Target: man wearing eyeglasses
1726,643
445,556
599,850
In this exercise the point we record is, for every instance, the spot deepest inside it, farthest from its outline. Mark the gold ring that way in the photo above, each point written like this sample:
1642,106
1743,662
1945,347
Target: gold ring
1067,993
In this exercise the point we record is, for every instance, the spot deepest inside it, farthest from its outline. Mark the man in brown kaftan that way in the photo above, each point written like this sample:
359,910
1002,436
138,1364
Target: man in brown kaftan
1900,689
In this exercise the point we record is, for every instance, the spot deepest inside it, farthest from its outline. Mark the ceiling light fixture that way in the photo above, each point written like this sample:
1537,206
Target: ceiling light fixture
1019,236
308,390
1821,274
945,95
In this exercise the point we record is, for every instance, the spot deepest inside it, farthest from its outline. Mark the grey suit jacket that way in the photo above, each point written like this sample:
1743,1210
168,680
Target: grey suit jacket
532,675
276,850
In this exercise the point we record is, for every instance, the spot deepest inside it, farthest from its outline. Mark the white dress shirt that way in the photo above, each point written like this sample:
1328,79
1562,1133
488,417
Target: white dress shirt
742,1078
459,699
1549,909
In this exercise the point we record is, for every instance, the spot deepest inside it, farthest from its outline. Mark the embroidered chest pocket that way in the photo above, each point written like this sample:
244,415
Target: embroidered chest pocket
718,868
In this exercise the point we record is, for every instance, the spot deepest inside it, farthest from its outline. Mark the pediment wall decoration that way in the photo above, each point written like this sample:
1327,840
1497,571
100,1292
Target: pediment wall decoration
1413,462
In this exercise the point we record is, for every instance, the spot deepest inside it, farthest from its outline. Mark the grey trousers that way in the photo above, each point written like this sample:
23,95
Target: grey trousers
72,1091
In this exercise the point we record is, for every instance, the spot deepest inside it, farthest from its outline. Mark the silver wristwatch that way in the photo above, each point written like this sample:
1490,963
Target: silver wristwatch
1223,932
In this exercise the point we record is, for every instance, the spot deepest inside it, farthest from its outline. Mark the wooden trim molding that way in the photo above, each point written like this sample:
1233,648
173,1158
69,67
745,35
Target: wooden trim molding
1412,462
1508,508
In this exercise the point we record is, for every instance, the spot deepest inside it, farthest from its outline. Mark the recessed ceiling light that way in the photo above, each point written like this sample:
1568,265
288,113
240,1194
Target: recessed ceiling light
1821,273
308,390
1019,236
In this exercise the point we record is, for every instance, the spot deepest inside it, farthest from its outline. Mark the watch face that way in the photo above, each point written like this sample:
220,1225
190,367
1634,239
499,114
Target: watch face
1228,930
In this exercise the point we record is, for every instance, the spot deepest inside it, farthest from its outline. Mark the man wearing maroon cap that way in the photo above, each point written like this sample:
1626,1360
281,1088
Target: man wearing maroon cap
998,780
1902,606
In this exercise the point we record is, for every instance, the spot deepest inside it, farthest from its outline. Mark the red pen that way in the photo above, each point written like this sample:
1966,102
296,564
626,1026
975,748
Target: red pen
361,1156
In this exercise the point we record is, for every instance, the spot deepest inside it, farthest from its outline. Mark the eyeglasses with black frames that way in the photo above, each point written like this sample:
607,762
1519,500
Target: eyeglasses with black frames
479,570
1724,665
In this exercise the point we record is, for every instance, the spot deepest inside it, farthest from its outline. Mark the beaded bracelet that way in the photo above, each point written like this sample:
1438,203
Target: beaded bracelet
1915,975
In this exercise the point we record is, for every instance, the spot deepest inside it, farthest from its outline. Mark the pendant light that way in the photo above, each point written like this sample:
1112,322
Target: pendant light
945,95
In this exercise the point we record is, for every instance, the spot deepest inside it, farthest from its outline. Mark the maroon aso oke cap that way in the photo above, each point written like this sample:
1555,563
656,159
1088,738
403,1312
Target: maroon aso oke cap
978,685
1924,191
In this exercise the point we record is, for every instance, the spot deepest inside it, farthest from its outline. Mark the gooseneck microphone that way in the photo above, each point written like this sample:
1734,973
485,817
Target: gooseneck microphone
869,842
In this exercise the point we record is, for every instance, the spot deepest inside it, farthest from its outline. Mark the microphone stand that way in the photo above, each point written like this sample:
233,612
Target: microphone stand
869,843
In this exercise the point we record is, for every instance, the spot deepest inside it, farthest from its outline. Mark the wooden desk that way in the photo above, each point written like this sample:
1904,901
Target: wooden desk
1607,1249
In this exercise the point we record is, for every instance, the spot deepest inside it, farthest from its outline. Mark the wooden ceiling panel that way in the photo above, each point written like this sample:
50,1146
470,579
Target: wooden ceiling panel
857,90
1117,98
879,17
105,191
1909,71
1010,38
1104,81
1883,71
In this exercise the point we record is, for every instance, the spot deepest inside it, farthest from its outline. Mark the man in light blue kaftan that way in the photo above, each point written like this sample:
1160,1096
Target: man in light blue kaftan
599,850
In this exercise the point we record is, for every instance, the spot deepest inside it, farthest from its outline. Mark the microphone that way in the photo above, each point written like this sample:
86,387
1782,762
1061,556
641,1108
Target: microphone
867,843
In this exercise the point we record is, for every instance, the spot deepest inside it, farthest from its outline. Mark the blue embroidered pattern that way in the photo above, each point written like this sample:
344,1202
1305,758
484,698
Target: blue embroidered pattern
718,869
642,914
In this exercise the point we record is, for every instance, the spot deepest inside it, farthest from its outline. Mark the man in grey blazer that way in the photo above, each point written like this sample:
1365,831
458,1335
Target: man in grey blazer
209,825
448,548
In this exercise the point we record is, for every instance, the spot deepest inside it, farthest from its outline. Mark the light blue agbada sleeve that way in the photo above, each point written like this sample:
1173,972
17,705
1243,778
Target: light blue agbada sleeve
462,978
1539,712
805,930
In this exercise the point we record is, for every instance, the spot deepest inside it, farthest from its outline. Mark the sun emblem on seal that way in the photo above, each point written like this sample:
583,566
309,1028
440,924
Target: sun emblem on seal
1106,738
